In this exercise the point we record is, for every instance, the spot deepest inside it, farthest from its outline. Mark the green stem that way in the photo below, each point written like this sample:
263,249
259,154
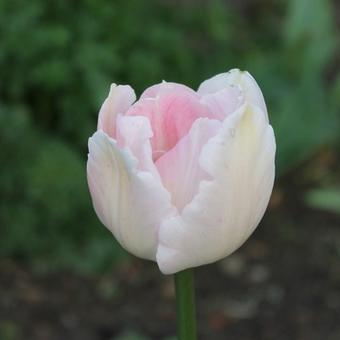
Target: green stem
185,302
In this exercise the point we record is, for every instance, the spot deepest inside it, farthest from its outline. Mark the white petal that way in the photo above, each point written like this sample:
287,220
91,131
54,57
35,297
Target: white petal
224,102
120,98
179,168
134,133
235,78
227,209
130,203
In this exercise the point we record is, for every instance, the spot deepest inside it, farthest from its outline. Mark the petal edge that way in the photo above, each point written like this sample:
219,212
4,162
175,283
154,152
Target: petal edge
130,203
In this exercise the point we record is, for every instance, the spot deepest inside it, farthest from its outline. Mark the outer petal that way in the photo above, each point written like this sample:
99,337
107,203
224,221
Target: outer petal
251,92
130,203
227,209
179,168
120,98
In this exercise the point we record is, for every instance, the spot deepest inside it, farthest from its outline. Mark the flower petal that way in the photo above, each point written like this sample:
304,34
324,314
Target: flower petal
224,102
120,98
164,88
179,168
235,78
134,133
240,158
171,115
130,203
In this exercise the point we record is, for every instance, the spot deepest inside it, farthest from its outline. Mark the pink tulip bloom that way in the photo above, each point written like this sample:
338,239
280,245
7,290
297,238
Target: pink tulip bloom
183,177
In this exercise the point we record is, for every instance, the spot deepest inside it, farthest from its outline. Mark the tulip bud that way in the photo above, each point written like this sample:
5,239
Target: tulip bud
183,177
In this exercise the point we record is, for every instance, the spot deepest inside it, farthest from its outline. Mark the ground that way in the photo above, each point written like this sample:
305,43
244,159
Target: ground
282,284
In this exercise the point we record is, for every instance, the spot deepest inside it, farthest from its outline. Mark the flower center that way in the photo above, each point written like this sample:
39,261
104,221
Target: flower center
171,110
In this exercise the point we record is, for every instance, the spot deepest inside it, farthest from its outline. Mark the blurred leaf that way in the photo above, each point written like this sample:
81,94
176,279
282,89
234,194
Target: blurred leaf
325,199
131,335
309,30
9,331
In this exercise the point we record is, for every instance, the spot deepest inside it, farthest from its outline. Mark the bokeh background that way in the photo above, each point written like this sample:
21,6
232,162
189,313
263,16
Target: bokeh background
62,275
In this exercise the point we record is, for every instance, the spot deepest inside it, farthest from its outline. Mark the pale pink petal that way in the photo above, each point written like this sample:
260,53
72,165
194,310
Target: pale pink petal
164,88
250,91
120,98
130,203
171,116
224,102
179,169
134,133
240,159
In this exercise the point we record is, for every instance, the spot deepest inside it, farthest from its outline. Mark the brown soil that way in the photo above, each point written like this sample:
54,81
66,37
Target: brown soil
282,284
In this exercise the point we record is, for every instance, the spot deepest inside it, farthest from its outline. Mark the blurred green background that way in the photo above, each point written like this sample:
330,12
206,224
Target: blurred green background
57,60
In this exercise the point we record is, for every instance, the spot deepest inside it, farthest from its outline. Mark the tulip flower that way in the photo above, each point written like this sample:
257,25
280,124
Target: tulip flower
183,177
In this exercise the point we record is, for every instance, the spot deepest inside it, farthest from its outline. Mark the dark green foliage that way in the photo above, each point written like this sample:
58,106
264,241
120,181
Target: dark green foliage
57,59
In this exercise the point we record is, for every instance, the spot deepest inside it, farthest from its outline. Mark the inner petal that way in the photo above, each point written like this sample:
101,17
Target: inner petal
179,168
171,113
164,88
134,132
225,101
